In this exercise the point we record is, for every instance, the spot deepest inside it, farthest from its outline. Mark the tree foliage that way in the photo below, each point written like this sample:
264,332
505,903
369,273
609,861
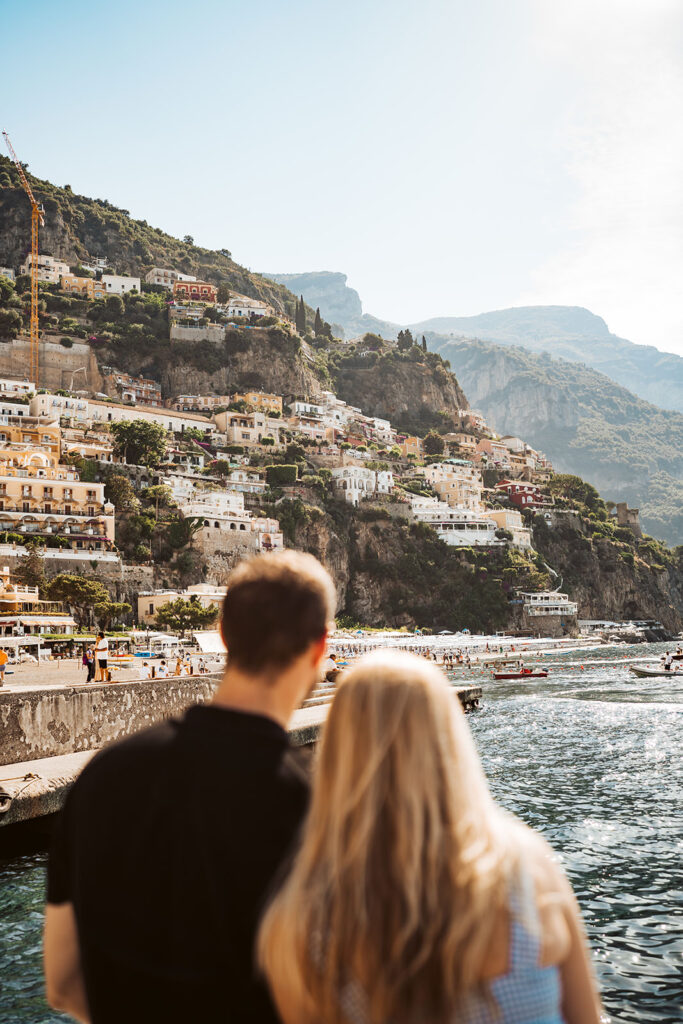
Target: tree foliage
119,491
139,442
182,614
30,569
433,443
80,593
107,611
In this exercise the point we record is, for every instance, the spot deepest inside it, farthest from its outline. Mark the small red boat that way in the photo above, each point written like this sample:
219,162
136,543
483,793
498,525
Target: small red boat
525,673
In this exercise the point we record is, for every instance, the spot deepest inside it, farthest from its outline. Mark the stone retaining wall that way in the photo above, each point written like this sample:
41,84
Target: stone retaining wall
53,721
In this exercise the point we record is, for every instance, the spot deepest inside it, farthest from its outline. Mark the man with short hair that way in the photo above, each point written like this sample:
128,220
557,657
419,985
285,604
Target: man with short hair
170,840
102,656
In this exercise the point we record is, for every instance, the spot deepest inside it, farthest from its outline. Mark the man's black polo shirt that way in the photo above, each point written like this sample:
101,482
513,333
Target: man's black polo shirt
167,846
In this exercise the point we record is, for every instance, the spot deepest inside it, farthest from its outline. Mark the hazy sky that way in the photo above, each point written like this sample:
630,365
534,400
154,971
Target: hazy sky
451,156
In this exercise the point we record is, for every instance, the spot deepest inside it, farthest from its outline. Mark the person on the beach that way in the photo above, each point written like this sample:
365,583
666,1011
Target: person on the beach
89,659
413,897
162,671
145,671
101,656
4,658
211,803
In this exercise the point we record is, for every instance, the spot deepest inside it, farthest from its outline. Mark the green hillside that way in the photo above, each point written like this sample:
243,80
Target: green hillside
77,227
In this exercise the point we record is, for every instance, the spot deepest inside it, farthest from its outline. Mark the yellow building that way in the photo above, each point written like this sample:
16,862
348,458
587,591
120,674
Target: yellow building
41,497
457,482
86,287
150,601
260,401
412,446
27,431
22,612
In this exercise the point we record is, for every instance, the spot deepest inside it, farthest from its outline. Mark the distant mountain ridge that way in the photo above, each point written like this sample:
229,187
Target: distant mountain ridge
576,334
567,332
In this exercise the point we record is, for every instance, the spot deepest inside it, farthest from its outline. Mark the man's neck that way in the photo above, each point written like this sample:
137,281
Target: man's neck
275,696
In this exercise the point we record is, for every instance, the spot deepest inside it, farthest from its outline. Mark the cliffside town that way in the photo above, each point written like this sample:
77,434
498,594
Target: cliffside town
180,424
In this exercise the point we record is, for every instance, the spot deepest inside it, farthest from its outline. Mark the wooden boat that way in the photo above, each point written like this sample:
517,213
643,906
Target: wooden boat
525,673
650,671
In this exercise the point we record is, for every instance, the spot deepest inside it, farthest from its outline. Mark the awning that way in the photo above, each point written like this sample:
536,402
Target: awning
38,620
210,642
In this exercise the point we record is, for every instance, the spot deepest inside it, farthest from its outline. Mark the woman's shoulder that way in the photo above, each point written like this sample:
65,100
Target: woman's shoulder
550,890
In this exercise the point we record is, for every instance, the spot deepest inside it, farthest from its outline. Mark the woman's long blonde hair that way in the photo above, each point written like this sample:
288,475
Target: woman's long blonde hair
404,862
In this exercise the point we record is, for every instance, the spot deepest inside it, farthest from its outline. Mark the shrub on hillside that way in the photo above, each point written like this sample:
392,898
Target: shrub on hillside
280,476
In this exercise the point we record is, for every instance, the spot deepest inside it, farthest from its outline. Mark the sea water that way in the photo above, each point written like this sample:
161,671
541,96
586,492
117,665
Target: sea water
590,757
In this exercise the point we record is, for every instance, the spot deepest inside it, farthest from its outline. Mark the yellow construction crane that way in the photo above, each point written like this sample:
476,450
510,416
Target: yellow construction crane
37,217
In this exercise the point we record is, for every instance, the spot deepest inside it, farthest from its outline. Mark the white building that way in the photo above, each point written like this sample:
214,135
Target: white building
49,269
166,278
228,503
356,482
245,482
88,412
307,409
545,602
385,481
227,525
243,305
96,264
11,388
456,527
7,272
117,284
337,413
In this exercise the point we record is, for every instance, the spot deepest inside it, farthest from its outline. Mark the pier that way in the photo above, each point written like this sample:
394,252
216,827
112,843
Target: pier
48,735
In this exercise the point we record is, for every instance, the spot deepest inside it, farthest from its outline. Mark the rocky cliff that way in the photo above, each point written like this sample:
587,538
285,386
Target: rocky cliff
605,583
413,390
270,359
327,290
390,572
588,425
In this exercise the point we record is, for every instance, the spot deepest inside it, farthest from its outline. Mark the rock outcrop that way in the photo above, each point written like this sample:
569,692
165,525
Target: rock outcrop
412,394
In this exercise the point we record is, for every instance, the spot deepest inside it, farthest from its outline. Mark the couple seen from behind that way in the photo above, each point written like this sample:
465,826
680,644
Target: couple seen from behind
194,877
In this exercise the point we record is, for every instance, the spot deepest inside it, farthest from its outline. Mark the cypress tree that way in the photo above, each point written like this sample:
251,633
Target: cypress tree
301,316
318,326
424,343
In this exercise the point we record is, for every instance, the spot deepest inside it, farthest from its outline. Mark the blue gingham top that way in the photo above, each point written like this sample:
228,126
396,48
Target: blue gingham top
527,994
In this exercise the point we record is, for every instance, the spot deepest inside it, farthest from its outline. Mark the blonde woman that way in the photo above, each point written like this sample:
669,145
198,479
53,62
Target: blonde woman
414,899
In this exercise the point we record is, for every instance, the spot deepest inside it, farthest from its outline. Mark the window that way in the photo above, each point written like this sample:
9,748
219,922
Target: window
25,507
67,510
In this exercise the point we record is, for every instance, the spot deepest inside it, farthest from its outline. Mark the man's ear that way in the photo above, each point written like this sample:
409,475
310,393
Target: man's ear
318,648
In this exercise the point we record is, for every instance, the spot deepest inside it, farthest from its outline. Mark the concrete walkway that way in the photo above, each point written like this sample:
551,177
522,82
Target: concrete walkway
32,789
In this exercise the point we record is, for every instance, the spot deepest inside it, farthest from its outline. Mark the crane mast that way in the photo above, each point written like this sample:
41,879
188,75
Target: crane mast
37,219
